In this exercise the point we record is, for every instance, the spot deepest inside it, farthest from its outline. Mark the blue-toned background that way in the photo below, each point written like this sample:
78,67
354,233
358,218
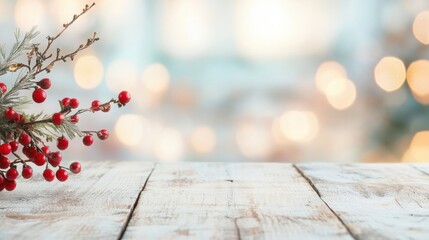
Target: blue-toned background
243,80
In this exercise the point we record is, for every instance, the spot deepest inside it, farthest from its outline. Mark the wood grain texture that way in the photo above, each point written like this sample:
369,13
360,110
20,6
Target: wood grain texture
94,204
231,201
375,201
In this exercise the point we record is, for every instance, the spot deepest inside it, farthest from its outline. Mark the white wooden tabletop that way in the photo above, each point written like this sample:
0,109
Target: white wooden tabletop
140,200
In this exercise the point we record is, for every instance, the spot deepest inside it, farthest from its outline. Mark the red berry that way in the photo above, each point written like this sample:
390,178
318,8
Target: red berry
65,102
95,105
57,118
124,97
74,103
39,95
10,114
55,158
19,118
5,149
39,159
49,175
103,134
45,83
46,150
62,143
24,139
27,172
29,151
75,167
12,173
87,140
74,119
2,186
62,175
9,185
1,179
14,146
4,162
3,87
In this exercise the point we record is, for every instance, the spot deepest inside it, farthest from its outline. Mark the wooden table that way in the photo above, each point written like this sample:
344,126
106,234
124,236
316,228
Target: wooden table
140,200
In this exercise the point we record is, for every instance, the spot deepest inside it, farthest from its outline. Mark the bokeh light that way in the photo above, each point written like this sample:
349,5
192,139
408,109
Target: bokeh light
328,72
121,75
29,13
156,78
186,27
420,27
417,78
390,73
273,29
169,145
129,129
65,9
341,93
203,139
418,150
299,126
88,72
254,140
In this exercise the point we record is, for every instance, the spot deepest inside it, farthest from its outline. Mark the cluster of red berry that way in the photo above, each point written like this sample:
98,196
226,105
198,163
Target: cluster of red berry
34,149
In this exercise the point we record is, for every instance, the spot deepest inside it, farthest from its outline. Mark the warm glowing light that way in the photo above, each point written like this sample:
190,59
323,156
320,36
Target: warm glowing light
156,78
121,75
420,27
29,13
417,78
65,9
203,139
390,73
88,72
299,126
328,72
419,148
275,28
341,93
130,130
169,145
186,27
254,141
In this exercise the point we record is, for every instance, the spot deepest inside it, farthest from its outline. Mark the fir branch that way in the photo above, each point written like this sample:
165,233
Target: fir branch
19,48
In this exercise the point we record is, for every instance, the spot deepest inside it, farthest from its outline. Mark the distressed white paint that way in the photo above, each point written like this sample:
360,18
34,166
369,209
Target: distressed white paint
375,201
231,201
222,201
93,204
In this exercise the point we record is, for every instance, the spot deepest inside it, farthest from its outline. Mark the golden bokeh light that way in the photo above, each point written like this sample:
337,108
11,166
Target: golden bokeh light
253,140
156,78
130,130
418,80
65,9
203,139
169,145
88,72
328,72
29,13
272,29
390,73
418,150
186,28
420,27
341,93
121,75
299,126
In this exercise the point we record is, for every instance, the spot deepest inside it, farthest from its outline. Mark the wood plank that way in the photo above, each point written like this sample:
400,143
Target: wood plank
94,203
375,201
231,201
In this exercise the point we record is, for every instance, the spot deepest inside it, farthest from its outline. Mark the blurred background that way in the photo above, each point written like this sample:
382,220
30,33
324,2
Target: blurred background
243,80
